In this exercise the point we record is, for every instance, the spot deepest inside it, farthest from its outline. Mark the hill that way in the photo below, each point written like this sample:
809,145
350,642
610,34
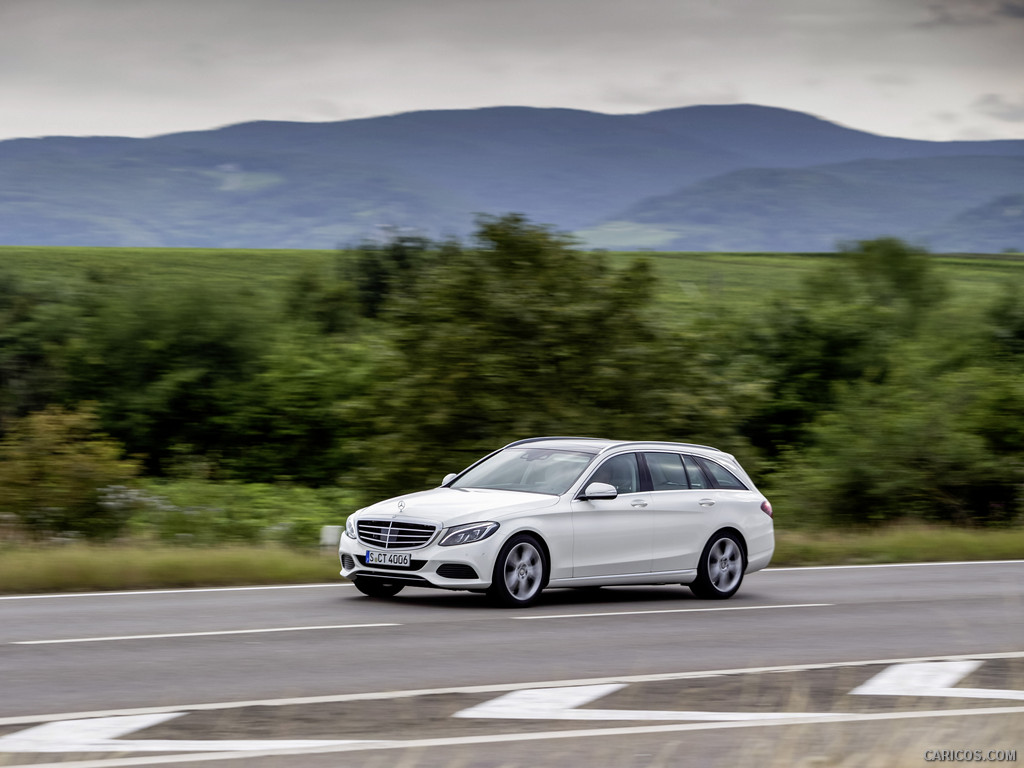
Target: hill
673,178
946,203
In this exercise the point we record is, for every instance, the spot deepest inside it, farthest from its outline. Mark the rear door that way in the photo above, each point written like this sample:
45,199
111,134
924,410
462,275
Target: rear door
682,510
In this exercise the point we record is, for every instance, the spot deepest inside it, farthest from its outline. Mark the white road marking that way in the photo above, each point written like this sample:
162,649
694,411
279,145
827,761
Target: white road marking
148,592
562,703
198,634
495,688
506,738
103,735
889,565
669,610
931,679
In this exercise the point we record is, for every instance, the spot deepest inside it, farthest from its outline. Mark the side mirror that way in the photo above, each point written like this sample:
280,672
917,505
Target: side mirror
599,491
448,478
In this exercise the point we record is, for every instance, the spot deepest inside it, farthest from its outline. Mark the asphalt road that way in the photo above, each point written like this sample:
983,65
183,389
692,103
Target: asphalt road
182,649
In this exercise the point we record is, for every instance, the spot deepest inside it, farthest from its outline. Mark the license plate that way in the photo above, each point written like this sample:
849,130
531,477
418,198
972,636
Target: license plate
388,558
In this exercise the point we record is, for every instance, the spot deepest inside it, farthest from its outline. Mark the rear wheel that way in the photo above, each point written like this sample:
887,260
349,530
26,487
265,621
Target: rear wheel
519,572
720,570
378,587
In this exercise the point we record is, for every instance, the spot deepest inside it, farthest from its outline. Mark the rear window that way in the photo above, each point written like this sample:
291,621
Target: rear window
722,477
667,472
694,472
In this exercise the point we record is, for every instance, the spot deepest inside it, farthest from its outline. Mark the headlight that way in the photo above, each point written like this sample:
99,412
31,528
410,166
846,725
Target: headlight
466,534
350,527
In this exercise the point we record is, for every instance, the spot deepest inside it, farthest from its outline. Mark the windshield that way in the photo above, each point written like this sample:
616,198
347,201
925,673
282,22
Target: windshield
537,470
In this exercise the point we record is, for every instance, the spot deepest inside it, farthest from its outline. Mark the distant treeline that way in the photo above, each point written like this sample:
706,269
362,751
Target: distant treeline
864,395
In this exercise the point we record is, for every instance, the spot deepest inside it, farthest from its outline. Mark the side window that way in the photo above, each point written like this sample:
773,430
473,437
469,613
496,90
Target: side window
723,477
693,471
667,471
620,471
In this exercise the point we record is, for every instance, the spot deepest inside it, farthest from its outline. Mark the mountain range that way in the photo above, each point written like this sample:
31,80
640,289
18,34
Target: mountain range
732,178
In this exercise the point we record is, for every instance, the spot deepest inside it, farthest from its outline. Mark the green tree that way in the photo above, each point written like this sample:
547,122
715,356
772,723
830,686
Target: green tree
327,299
1005,319
291,420
54,465
839,327
37,326
517,335
925,448
380,270
168,366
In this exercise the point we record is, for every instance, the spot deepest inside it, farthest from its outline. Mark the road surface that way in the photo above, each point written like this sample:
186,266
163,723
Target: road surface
320,665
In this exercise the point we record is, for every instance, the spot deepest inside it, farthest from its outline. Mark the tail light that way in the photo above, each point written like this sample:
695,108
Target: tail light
766,507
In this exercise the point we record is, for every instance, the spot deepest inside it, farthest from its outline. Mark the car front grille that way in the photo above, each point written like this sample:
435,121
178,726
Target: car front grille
395,534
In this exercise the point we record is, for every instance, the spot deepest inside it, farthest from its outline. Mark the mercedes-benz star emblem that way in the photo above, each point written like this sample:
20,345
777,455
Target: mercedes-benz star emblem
401,506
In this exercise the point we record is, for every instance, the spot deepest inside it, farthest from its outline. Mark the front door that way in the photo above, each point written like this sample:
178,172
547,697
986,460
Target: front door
613,536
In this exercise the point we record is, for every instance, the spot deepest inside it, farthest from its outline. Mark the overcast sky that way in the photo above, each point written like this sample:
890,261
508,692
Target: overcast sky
927,69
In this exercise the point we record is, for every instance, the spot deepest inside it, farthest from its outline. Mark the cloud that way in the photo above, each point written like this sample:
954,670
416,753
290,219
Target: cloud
994,105
142,67
1012,8
968,13
885,79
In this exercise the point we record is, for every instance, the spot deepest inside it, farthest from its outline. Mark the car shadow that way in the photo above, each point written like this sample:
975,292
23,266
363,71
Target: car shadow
588,596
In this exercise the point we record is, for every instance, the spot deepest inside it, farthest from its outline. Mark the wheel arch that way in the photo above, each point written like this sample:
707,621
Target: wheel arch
739,537
545,549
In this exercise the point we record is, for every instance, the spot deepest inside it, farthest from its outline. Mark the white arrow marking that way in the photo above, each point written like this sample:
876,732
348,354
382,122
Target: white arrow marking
935,678
919,679
102,735
562,703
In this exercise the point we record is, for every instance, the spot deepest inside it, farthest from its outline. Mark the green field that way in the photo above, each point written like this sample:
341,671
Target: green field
684,279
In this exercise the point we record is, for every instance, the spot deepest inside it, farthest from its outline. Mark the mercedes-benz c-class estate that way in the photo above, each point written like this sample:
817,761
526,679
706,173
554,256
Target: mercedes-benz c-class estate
554,512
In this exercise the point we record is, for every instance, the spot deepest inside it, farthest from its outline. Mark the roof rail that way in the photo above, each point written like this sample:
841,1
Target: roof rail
549,437
663,442
614,443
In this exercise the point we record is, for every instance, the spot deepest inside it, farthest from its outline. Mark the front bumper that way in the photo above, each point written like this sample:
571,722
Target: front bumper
466,566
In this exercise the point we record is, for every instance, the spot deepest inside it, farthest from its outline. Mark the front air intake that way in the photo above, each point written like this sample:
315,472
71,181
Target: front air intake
456,571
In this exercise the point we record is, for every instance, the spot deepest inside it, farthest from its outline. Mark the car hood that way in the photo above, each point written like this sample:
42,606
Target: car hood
454,506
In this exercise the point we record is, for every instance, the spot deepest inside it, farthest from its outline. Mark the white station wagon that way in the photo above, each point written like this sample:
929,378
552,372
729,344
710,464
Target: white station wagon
568,512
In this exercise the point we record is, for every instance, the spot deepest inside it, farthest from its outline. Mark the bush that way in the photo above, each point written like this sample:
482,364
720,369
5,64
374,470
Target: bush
201,512
54,467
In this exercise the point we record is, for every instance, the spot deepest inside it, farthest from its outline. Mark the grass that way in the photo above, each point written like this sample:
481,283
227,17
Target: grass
84,568
77,567
897,544
259,269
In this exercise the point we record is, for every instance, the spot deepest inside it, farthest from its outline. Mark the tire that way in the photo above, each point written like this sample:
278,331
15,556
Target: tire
520,572
721,567
378,587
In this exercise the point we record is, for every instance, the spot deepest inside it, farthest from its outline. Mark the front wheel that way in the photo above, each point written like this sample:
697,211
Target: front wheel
519,572
720,570
378,587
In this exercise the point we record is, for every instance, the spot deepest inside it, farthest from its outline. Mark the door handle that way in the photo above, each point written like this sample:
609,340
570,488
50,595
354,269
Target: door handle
638,503
707,502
